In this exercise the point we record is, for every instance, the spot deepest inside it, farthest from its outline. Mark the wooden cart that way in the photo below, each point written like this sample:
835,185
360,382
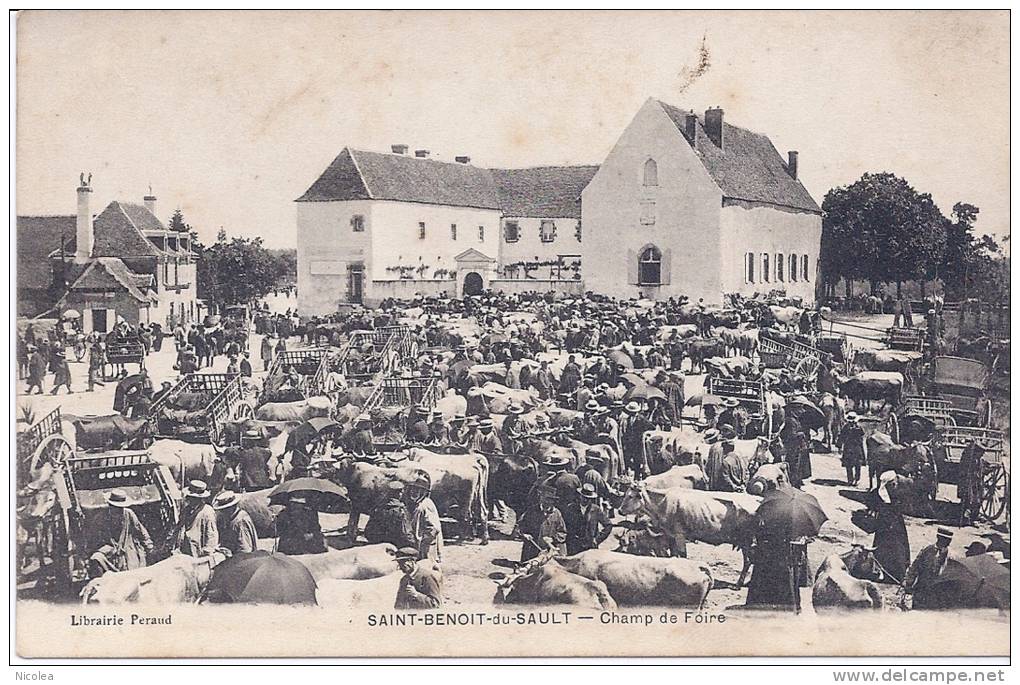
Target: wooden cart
750,394
802,359
312,366
420,391
43,442
951,441
199,406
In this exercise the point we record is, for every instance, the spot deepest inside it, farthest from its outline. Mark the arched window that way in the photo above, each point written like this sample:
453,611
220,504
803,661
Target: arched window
651,173
650,266
804,270
779,266
793,267
765,276
750,268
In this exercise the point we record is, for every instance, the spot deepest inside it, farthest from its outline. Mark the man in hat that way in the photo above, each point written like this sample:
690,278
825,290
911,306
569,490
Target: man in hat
266,351
245,365
298,529
61,372
585,393
197,535
542,380
587,523
253,461
512,433
729,415
633,427
125,541
361,443
164,389
724,444
426,528
487,440
564,482
458,429
920,578
234,525
570,377
421,587
543,526
672,386
968,487
853,444
390,522
439,434
417,429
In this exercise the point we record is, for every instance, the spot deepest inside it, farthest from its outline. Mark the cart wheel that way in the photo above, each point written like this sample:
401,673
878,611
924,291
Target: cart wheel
807,367
994,492
243,411
54,449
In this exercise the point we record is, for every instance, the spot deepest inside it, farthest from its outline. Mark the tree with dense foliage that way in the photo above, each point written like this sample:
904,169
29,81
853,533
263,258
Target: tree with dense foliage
882,230
238,270
177,222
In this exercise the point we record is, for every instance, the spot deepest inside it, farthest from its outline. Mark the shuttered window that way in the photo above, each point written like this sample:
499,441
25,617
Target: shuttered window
749,272
804,270
765,275
650,267
793,267
779,267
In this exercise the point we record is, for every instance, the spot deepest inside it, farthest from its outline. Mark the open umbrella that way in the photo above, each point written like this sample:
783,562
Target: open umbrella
632,379
310,430
791,513
322,495
977,581
70,315
620,358
702,398
261,578
805,411
643,391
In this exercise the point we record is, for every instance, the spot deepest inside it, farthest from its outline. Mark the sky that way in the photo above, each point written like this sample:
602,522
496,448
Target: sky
231,116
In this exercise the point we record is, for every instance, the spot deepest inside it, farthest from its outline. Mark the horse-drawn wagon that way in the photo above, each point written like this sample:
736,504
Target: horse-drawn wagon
801,359
122,350
750,395
82,486
199,406
367,354
312,370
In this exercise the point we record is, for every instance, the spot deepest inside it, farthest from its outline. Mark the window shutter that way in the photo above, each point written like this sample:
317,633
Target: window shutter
664,266
632,267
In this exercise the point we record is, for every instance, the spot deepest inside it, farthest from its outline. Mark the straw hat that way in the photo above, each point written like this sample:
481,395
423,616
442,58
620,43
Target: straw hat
118,498
225,500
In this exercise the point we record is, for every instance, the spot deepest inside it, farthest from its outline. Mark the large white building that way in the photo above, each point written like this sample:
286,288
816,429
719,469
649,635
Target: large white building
692,205
683,205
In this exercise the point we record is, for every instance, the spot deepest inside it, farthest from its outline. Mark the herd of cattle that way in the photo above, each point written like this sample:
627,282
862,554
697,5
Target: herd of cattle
469,487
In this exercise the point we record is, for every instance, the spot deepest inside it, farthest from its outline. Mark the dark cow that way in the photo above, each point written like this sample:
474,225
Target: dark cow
869,386
700,349
367,486
113,432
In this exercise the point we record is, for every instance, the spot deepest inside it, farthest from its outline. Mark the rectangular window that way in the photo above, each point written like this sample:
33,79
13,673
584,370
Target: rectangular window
358,223
481,234
804,272
793,267
647,213
750,267
779,266
765,275
511,231
453,231
547,231
421,230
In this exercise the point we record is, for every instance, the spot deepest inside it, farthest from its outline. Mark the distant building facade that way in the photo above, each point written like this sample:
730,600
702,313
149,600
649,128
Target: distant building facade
683,205
122,264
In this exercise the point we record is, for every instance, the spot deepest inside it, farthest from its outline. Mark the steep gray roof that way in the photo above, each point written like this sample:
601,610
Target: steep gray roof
533,192
748,167
549,191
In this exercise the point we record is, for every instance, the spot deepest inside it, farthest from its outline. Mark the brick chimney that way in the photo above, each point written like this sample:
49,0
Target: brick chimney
791,165
399,149
150,202
691,129
714,125
422,154
84,236
463,159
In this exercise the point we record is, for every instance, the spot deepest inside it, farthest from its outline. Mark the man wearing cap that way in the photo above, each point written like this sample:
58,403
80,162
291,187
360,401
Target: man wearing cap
126,542
298,528
633,428
543,526
925,569
587,523
234,525
426,527
421,587
854,449
390,522
197,535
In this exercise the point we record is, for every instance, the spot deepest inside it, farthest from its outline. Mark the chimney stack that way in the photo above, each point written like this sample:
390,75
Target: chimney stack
463,159
691,129
84,237
714,125
150,202
791,166
399,149
422,154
